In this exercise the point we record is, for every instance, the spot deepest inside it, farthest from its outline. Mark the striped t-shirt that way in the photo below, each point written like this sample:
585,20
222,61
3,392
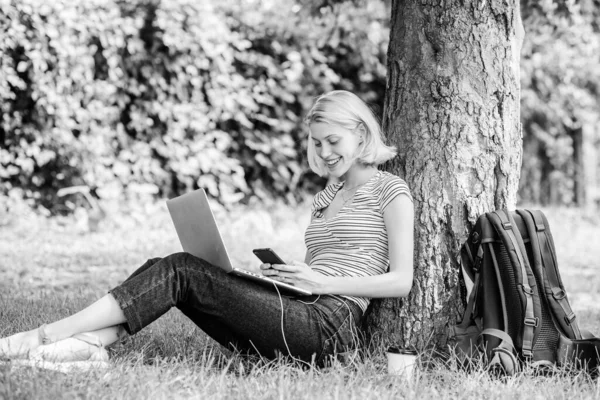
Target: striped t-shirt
353,242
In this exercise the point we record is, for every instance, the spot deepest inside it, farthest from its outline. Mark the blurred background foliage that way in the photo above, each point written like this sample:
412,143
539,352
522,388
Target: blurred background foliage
166,96
560,101
156,97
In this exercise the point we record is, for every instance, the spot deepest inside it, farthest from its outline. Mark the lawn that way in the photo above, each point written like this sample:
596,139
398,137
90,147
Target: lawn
52,267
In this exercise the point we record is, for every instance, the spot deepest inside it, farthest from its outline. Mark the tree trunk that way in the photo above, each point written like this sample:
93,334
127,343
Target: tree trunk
452,109
579,179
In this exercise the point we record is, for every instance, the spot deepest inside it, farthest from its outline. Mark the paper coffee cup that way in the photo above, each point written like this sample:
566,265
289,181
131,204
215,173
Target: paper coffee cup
401,361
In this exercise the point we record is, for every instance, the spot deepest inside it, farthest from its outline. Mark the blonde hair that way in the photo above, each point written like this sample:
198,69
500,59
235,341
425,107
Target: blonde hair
345,109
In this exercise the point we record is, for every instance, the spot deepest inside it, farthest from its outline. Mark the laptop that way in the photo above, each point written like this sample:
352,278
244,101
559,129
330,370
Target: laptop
199,235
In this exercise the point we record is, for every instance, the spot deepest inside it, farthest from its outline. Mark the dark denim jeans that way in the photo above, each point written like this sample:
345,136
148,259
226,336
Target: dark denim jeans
236,312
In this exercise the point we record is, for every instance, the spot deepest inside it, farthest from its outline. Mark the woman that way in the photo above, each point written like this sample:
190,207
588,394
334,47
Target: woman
359,242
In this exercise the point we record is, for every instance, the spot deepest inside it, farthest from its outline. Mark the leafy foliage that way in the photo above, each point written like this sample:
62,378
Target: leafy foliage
167,96
560,78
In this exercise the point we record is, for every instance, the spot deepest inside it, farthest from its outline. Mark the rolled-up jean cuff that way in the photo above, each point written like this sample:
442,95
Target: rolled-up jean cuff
133,323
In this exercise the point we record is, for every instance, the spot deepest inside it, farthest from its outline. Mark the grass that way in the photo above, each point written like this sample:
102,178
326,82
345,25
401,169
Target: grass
53,267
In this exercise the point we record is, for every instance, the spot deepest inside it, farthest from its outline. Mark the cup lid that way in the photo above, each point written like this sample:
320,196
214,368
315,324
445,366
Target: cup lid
401,350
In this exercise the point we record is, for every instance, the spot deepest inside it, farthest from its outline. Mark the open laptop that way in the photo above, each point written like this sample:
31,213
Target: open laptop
199,235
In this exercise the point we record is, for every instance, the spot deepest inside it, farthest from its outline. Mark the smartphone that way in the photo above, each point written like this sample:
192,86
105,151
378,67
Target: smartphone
268,256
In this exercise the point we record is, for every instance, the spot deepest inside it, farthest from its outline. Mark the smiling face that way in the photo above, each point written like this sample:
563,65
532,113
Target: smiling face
337,147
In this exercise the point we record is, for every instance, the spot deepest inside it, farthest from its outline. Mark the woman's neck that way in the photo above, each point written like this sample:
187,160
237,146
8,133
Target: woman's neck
358,175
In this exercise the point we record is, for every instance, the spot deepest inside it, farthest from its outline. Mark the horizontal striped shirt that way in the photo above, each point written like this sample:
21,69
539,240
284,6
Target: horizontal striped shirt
353,242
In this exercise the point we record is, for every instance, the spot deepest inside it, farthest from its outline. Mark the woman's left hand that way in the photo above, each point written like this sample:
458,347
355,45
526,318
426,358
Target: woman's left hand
298,274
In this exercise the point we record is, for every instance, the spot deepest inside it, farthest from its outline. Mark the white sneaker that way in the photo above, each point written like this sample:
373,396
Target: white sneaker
19,345
81,347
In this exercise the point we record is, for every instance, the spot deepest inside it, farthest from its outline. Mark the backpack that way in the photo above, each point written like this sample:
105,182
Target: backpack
517,311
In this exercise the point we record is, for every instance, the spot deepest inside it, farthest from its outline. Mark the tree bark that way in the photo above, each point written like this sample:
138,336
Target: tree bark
452,109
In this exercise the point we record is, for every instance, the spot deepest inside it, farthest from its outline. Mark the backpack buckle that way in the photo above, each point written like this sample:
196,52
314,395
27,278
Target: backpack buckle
532,321
558,293
507,225
477,264
527,289
527,353
478,259
570,318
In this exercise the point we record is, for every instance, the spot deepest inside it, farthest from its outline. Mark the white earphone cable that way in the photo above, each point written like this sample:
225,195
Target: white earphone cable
283,331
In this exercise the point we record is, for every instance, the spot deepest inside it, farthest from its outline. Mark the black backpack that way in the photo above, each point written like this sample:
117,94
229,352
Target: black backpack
517,309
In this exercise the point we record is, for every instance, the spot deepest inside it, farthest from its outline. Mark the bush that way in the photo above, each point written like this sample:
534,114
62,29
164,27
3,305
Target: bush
174,95
560,81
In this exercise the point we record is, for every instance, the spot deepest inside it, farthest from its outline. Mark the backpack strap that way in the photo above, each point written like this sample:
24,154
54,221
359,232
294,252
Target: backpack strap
547,256
467,261
501,291
503,336
516,244
468,316
465,334
504,353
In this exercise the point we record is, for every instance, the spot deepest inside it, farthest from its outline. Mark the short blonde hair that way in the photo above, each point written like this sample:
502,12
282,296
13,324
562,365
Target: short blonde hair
345,109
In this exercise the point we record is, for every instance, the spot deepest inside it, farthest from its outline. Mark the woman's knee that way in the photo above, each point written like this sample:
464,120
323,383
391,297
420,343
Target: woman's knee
182,261
152,261
178,255
188,268
177,260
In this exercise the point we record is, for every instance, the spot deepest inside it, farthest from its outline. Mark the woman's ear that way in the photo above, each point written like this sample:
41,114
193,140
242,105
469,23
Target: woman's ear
362,132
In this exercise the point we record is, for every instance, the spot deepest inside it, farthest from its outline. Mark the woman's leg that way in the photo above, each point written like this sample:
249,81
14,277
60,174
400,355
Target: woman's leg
234,311
237,312
110,335
100,319
87,346
101,314
104,313
106,335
